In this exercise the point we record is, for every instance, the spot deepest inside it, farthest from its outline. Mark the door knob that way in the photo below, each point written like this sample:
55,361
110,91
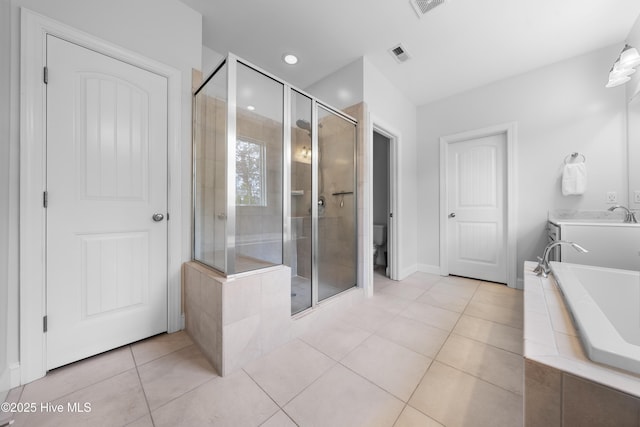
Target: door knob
452,215
157,217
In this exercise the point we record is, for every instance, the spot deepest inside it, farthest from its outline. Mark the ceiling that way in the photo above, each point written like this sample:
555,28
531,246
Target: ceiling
457,46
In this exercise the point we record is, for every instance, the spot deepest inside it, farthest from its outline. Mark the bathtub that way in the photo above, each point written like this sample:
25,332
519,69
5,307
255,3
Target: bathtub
605,304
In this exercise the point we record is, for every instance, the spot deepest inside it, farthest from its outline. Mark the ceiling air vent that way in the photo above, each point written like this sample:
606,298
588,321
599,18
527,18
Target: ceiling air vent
421,7
399,53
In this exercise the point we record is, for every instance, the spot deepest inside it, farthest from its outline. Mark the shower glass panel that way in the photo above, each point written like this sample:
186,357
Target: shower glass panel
258,170
336,261
209,164
300,225
274,177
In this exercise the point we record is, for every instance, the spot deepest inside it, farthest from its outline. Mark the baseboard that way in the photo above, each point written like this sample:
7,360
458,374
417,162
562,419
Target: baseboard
520,283
9,379
407,272
431,269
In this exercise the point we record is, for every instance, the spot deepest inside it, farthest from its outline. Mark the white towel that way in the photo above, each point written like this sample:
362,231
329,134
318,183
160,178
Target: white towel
574,179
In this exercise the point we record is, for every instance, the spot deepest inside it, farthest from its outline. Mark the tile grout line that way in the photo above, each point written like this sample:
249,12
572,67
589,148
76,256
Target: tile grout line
56,398
144,392
461,370
11,418
486,343
184,393
450,333
280,408
436,356
477,377
399,314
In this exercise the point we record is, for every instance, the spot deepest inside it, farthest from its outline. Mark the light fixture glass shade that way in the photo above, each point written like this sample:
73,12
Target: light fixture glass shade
617,81
619,70
629,57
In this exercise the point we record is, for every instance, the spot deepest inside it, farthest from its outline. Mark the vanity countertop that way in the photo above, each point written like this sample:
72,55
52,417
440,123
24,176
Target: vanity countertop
560,217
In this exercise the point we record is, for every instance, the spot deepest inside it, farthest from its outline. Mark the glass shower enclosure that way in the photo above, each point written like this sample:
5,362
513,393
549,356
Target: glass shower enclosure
274,176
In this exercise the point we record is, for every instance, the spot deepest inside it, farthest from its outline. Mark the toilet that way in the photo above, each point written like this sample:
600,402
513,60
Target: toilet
379,240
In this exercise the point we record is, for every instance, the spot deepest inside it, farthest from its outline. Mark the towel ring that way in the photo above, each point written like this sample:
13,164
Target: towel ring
571,157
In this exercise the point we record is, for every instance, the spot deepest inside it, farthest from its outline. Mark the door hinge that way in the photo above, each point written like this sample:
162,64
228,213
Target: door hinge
45,199
391,215
45,75
44,324
167,216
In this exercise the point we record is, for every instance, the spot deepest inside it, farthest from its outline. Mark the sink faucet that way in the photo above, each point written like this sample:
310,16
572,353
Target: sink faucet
629,216
543,269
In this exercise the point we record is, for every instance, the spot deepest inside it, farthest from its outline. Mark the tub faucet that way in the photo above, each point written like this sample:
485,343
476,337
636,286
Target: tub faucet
629,217
543,269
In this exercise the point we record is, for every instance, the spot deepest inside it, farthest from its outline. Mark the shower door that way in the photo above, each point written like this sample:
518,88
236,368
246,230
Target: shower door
301,244
323,246
336,231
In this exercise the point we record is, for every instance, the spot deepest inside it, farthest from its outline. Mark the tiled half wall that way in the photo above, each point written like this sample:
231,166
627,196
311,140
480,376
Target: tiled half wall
236,320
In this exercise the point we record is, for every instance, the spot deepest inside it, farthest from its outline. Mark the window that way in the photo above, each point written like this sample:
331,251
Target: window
250,173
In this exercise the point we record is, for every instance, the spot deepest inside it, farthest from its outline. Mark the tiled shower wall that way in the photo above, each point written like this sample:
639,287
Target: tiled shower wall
258,228
210,166
337,246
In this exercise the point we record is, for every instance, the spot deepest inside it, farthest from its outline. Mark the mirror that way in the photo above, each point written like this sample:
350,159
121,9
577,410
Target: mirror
633,150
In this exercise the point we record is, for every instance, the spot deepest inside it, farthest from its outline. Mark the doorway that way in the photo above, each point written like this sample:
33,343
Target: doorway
106,202
477,204
34,200
381,202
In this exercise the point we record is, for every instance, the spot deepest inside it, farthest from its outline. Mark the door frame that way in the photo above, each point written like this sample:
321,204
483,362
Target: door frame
393,230
34,30
510,130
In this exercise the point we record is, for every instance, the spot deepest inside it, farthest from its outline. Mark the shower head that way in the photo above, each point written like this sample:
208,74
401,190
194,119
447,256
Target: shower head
303,124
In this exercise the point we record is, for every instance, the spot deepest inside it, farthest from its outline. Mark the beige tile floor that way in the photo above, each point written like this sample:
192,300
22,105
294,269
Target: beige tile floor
427,351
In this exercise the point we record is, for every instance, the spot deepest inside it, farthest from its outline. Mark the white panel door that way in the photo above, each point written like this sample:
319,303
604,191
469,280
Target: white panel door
106,177
477,240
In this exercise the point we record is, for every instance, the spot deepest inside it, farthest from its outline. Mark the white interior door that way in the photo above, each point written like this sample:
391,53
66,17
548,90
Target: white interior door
476,182
106,178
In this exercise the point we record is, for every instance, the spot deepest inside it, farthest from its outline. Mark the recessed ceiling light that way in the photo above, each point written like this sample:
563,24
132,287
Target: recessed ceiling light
290,58
250,107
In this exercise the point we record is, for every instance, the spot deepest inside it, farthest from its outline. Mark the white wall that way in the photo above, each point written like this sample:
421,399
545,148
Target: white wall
5,134
560,109
164,30
342,88
210,60
394,112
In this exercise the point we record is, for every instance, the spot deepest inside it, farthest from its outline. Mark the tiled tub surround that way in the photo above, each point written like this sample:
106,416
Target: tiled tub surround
562,386
237,320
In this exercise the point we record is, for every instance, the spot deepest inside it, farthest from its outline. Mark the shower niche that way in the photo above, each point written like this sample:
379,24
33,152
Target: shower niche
274,174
